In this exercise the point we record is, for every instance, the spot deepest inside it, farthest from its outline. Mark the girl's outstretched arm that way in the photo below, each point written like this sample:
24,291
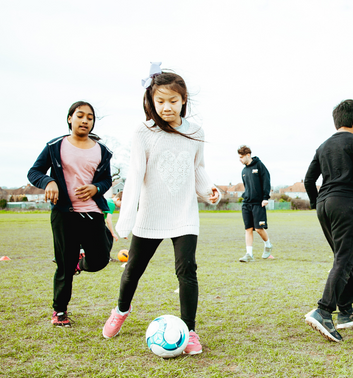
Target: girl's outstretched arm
205,188
110,226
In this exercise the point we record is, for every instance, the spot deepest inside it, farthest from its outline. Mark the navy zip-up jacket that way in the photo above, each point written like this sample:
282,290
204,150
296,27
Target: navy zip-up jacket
256,179
50,158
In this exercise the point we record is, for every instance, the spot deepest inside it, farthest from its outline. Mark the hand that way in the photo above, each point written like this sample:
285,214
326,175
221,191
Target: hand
51,192
86,192
115,236
264,203
214,196
117,202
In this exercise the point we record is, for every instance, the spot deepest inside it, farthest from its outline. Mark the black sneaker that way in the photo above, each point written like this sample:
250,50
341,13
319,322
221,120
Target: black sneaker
321,320
345,319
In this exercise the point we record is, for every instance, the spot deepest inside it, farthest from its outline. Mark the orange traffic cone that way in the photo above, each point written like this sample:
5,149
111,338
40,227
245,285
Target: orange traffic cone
3,258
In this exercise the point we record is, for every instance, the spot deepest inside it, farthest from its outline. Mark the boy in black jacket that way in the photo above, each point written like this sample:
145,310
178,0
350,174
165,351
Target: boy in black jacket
334,204
256,179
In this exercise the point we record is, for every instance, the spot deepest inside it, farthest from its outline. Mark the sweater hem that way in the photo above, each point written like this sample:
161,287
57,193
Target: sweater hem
165,234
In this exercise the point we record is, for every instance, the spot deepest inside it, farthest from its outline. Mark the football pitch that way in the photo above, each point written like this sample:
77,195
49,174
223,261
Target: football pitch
250,316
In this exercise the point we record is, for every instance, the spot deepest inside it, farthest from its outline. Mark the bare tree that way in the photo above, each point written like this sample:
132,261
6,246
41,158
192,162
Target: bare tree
121,156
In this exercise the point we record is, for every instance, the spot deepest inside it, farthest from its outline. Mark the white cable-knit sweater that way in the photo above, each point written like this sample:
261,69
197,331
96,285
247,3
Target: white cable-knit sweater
166,174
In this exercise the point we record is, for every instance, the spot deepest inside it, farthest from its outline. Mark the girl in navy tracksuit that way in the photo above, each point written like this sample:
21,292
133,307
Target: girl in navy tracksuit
79,176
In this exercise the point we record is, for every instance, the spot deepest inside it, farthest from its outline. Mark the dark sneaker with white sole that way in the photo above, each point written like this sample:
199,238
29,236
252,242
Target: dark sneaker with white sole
61,319
321,320
345,319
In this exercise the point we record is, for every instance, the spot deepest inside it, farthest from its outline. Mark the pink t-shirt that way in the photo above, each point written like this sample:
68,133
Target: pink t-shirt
79,166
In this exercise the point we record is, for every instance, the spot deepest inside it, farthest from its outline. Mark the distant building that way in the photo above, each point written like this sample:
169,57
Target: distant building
3,194
117,187
232,190
296,190
31,192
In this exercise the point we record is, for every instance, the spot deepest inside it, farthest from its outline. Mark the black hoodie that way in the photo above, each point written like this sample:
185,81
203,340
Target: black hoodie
334,161
256,179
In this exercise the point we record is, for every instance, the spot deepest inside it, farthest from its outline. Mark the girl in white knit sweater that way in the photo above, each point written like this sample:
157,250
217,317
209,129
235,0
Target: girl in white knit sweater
165,177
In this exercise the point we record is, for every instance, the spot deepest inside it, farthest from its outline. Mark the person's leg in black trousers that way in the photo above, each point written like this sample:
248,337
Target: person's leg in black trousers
97,242
336,219
67,250
185,269
70,231
140,253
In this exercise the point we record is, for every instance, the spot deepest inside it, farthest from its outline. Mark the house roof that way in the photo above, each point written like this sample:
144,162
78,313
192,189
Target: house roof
239,187
296,187
231,188
26,189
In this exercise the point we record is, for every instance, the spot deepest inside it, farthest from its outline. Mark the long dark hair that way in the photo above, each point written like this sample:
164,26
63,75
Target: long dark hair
175,83
71,111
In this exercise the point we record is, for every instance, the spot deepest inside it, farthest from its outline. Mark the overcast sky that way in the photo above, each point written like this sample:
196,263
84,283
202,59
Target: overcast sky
262,73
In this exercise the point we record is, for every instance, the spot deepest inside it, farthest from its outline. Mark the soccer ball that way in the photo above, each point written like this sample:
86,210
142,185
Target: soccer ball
123,255
167,336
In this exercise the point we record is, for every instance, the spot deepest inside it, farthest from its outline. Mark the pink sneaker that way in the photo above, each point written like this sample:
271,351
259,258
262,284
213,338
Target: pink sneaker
113,325
194,346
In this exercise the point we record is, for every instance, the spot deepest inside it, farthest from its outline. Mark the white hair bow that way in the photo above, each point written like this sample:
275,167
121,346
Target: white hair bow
155,70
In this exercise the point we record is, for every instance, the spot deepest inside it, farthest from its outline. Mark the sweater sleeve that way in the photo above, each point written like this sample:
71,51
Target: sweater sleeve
312,174
37,174
104,183
203,183
266,183
132,187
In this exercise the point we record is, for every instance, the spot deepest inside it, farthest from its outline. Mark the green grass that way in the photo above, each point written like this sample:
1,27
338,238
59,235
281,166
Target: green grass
250,316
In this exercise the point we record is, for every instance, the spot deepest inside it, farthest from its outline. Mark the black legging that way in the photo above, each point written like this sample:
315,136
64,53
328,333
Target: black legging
141,252
70,231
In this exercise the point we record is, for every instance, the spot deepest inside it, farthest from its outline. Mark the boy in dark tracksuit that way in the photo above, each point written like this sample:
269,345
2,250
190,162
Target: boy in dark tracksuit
334,205
256,179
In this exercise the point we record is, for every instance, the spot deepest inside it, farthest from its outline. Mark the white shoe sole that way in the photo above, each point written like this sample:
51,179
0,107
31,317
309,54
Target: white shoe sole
345,325
269,257
317,326
193,352
109,337
309,313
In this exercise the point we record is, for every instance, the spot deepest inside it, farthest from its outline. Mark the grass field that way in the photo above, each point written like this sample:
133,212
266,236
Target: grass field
250,316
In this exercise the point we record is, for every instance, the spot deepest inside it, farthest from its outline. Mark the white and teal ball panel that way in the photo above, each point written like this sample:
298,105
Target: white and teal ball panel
167,336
